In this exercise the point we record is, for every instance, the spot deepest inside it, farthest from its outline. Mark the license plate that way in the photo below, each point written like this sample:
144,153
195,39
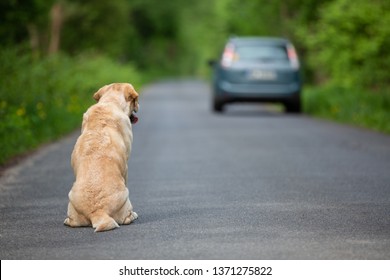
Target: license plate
264,75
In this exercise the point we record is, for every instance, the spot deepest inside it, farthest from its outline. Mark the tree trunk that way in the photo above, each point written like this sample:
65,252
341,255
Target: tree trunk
34,37
57,20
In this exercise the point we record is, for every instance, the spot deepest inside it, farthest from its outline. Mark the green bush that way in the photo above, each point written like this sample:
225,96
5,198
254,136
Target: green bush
354,106
41,100
349,43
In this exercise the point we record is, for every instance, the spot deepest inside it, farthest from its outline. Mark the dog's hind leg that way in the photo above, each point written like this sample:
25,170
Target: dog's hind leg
74,219
126,215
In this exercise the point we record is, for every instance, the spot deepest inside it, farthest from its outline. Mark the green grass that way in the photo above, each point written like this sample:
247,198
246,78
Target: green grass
353,106
43,99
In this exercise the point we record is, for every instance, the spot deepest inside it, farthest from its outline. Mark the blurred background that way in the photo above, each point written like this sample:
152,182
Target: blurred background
54,54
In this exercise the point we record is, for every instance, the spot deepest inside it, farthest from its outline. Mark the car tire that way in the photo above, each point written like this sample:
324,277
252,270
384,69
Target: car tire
218,105
294,105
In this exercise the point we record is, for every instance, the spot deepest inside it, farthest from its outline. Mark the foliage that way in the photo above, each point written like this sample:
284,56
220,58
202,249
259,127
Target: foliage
101,26
349,43
354,106
43,99
154,33
343,42
18,16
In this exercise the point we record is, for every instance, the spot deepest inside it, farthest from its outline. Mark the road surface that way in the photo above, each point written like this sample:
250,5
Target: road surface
252,183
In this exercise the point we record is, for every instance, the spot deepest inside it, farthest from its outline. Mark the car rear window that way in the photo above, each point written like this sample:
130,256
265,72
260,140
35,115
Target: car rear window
261,53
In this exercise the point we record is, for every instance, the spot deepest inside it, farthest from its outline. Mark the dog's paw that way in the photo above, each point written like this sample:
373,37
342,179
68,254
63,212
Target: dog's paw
67,222
132,217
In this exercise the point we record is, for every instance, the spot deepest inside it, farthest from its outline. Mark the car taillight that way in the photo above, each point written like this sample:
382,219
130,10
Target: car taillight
228,56
292,56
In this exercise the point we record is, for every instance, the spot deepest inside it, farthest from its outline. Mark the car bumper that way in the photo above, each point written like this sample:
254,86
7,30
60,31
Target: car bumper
255,91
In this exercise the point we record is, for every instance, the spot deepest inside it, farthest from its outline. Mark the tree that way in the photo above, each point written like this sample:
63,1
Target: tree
350,42
24,22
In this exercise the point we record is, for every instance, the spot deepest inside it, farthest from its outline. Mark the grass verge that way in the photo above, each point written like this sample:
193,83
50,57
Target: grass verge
43,99
352,106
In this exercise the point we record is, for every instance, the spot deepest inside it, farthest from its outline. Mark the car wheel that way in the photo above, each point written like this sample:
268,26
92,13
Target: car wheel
294,105
218,105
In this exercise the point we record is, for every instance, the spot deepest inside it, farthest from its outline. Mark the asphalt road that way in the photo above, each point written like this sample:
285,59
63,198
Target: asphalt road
252,183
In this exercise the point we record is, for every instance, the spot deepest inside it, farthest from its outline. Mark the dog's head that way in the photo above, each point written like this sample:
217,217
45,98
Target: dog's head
124,93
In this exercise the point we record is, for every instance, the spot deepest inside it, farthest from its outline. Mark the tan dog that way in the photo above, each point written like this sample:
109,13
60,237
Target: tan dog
99,196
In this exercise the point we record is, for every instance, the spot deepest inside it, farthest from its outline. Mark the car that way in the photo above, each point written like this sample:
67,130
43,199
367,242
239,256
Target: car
257,69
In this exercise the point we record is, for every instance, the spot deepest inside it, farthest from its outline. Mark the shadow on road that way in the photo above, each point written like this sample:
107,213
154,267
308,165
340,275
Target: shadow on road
249,110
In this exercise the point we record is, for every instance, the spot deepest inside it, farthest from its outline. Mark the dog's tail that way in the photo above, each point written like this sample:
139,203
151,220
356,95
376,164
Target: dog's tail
103,222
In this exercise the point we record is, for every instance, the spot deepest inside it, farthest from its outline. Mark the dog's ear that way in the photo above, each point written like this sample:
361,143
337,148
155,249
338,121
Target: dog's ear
130,93
100,92
132,96
136,104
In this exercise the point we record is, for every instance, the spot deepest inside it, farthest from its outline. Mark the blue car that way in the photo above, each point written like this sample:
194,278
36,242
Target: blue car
257,69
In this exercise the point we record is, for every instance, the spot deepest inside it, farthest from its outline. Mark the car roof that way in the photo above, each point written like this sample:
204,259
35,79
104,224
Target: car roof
267,41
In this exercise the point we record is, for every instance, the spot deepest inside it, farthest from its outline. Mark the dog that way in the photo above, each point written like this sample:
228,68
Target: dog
99,196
